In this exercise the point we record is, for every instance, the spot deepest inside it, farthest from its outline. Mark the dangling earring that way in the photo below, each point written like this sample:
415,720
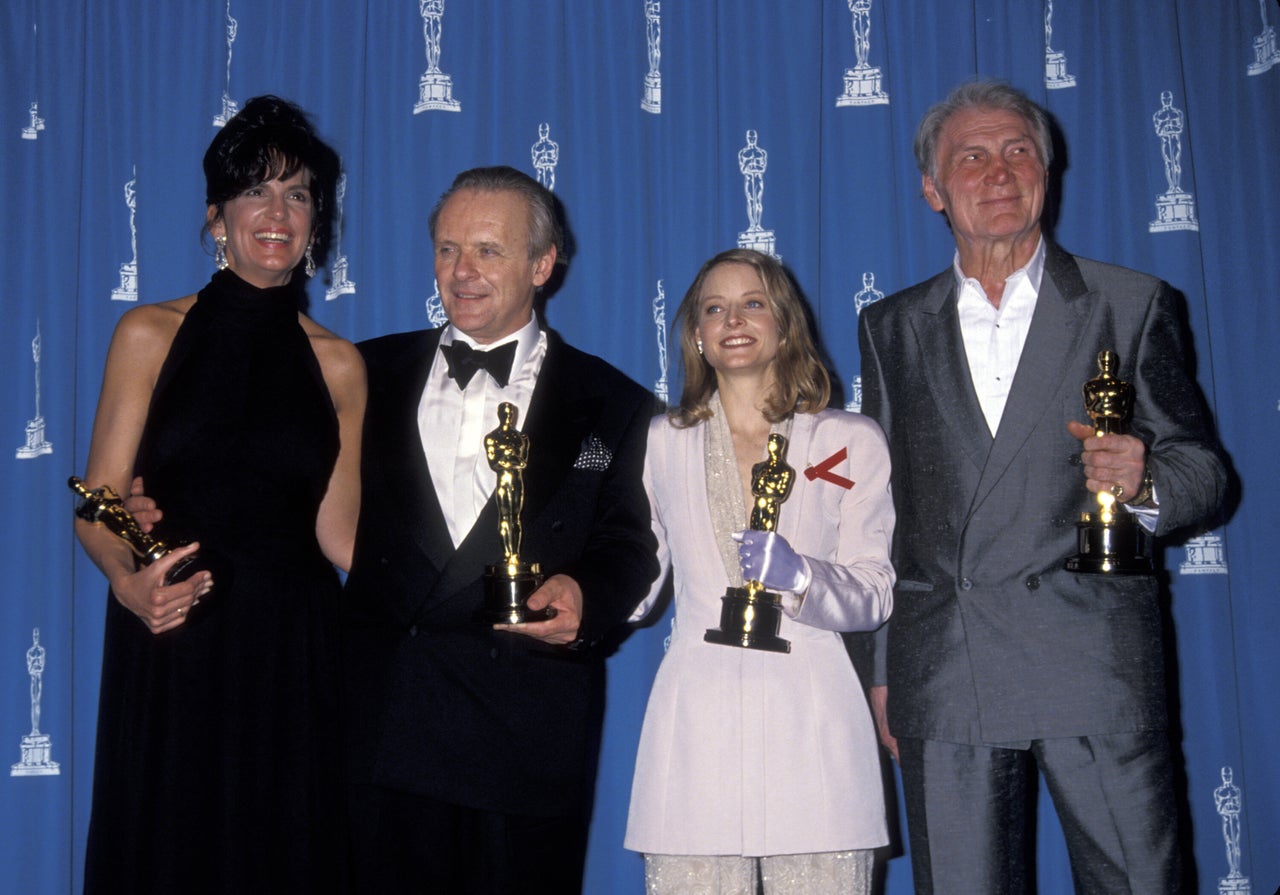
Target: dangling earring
699,338
310,269
220,253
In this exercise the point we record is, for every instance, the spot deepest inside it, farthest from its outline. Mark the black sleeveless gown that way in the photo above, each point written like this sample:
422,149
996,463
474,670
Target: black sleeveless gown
218,764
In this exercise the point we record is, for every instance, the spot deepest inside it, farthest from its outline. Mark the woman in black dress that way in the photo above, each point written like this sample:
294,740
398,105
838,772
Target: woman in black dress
218,754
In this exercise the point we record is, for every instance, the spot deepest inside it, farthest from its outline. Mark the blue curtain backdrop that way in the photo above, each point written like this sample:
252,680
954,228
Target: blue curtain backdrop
1170,115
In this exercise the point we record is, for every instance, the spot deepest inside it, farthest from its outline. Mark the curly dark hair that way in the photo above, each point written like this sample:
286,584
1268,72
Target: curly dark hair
270,139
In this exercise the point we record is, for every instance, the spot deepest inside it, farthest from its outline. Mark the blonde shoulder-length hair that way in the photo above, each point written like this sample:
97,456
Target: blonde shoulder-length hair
800,381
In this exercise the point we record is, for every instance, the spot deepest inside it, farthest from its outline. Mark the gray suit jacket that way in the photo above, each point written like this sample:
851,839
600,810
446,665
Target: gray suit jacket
991,640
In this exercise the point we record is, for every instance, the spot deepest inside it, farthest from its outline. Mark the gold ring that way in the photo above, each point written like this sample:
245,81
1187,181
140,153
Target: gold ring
181,611
1118,490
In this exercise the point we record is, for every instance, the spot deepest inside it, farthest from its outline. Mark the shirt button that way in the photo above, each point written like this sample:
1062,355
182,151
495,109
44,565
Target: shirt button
966,584
1033,582
413,630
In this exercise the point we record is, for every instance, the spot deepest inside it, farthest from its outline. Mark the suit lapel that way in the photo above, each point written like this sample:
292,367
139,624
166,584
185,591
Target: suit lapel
555,432
464,566
561,413
795,510
461,567
1062,307
424,515
936,325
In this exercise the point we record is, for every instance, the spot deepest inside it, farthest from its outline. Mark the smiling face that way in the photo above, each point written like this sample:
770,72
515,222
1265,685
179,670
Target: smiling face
989,179
268,228
487,279
735,320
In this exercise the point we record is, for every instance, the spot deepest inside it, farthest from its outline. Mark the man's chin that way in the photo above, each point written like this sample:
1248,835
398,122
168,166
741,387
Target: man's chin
466,315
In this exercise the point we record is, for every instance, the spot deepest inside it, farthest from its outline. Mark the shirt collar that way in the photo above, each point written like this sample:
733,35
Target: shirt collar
527,336
1033,270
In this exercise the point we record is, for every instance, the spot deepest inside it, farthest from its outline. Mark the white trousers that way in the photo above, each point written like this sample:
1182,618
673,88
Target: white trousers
808,874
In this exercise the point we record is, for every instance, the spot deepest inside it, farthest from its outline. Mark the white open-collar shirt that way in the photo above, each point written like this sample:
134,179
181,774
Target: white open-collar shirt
993,337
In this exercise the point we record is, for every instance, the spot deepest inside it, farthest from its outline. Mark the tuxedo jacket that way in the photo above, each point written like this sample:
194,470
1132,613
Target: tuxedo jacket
438,703
991,640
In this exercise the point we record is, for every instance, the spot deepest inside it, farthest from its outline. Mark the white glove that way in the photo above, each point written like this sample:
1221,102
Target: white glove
766,557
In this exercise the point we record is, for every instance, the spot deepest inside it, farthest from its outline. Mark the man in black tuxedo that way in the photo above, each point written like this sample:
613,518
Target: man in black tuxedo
1001,663
473,746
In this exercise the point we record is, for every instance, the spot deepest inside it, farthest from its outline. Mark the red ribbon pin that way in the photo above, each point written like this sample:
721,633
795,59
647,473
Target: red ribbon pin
823,470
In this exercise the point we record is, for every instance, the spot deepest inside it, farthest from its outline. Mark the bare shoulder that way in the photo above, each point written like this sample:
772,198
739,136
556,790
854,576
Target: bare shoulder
142,339
340,361
155,319
147,331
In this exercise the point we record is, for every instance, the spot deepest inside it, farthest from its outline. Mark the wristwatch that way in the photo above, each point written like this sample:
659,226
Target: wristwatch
1145,490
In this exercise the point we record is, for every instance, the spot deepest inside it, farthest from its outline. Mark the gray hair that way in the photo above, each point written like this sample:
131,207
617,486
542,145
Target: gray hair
545,229
982,94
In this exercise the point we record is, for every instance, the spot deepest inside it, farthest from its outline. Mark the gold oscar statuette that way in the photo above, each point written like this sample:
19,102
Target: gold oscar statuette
750,616
507,585
102,506
1109,541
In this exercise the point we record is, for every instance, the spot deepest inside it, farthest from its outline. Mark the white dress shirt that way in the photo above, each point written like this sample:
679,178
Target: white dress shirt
994,338
453,422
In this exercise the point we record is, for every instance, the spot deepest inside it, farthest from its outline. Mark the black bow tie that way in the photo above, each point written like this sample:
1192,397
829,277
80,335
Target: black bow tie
464,361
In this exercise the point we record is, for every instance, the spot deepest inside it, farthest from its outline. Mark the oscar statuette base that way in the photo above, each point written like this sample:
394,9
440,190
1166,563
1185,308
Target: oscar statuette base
749,620
37,758
183,568
506,590
1110,547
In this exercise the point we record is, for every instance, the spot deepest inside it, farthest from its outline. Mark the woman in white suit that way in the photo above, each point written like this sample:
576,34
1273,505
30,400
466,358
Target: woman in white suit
756,763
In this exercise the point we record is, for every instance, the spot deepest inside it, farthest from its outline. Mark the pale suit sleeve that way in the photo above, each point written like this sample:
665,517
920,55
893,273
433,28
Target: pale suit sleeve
851,588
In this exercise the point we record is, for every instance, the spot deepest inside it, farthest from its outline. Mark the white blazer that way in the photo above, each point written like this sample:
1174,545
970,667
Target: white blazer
746,752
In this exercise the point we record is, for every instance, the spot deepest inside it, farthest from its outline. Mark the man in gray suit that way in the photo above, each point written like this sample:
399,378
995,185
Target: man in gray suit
1000,663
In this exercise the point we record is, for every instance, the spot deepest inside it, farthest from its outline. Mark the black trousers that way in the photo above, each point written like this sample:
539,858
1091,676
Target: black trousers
407,844
968,808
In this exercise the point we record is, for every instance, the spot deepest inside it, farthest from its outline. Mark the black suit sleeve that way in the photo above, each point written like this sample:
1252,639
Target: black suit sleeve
619,561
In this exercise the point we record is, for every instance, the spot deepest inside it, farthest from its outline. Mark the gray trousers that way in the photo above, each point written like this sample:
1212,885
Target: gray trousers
968,809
